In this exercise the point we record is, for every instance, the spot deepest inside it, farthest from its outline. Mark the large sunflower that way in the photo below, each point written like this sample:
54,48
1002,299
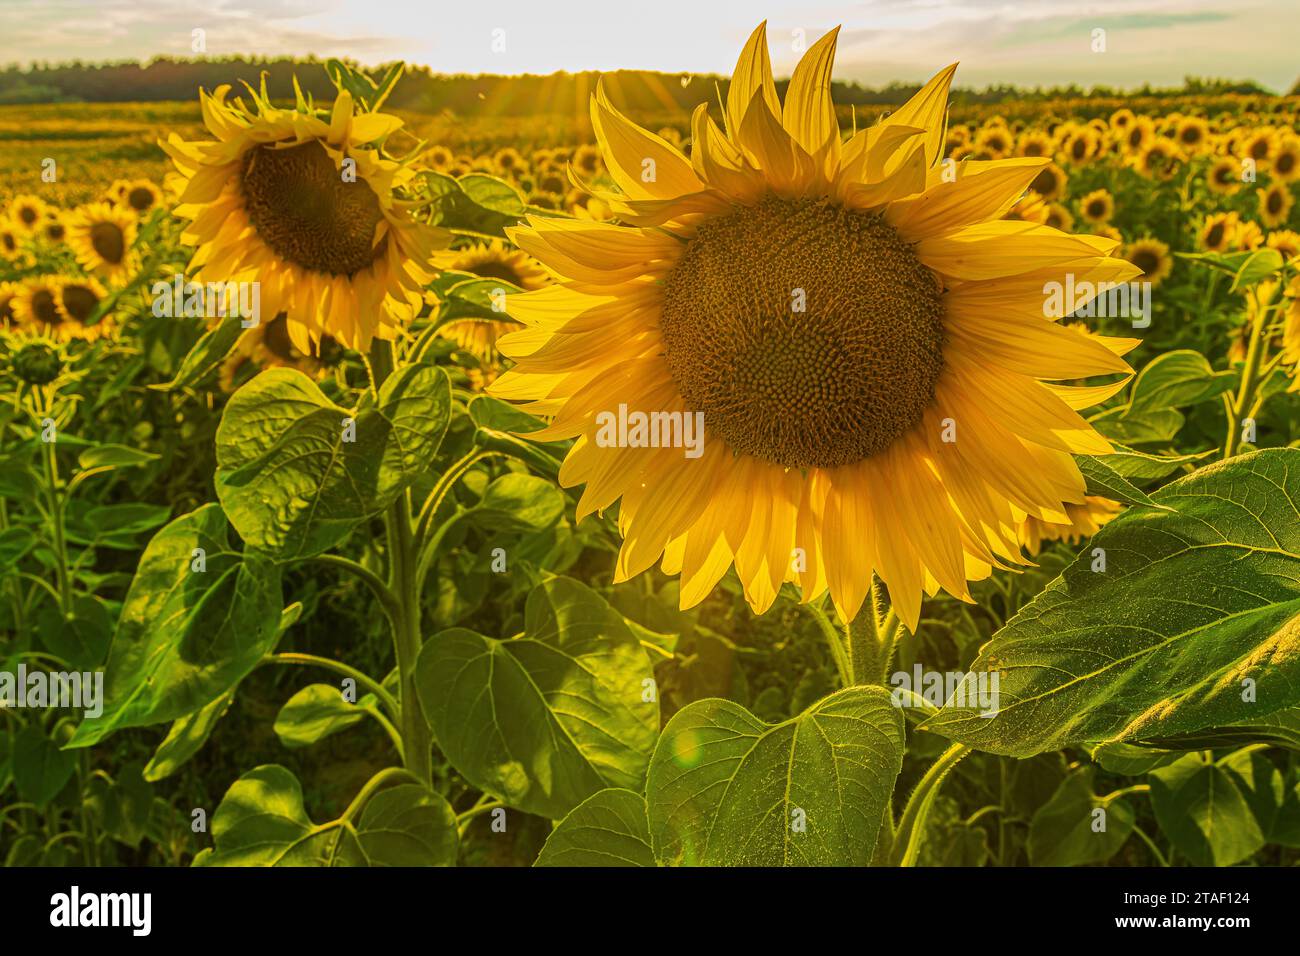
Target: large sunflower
271,201
865,339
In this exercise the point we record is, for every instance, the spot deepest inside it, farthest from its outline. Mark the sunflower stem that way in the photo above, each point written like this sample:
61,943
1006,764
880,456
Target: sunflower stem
911,827
1250,375
870,640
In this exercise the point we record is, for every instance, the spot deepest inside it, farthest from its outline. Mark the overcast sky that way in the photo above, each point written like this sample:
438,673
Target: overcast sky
1027,42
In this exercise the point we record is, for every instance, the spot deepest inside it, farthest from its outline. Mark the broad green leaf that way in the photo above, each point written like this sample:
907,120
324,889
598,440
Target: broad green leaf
1272,794
1068,830
1201,810
296,473
727,789
545,720
1176,379
408,825
262,822
186,636
609,828
1139,466
114,456
478,298
1259,265
125,519
185,738
40,768
489,412
1104,480
518,503
1155,426
1193,623
314,713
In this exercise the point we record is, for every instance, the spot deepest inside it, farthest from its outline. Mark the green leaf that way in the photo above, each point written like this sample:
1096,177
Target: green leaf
1272,795
262,822
15,542
1200,809
1150,427
40,768
1104,480
185,738
1174,380
1191,625
206,355
609,828
518,503
122,805
545,720
314,713
727,789
114,456
185,637
478,298
290,477
82,637
1068,831
408,825
475,204
488,412
1141,466
1259,265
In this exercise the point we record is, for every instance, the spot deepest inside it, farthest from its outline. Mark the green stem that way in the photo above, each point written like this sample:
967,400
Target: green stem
911,828
871,640
376,584
1250,376
416,739
55,506
834,641
329,664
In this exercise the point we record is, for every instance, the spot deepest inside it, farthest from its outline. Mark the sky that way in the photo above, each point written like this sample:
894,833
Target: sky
1029,42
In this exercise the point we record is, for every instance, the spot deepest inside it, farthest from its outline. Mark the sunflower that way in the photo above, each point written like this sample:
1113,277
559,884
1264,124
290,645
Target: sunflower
1139,134
1158,160
140,196
1286,161
495,260
508,161
1286,242
53,228
1249,235
1050,183
1275,204
267,345
9,291
26,213
36,305
1034,143
1097,207
101,237
994,140
1109,232
1192,133
303,204
1058,217
837,313
1085,520
586,159
1218,231
1259,146
10,239
1121,119
1152,257
438,157
1223,177
1082,145
77,301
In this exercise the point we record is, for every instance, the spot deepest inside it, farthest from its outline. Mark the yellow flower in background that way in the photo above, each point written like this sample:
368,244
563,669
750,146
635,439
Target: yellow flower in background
1259,146
101,237
1081,146
1224,176
53,229
1138,135
1122,119
1050,182
1275,204
36,304
138,195
1152,257
1098,206
1058,217
1285,241
837,313
77,301
1158,160
1034,143
25,213
10,239
267,345
1286,161
309,208
494,260
1085,520
9,291
1248,236
1219,231
994,140
1192,134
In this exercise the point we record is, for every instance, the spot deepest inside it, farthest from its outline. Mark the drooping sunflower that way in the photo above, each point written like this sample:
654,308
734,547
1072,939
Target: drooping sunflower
1275,204
1085,520
1098,206
101,237
1152,257
867,345
26,213
306,205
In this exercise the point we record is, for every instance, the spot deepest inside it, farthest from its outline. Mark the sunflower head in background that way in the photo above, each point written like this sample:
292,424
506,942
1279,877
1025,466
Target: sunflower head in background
26,213
862,333
305,203
140,196
101,237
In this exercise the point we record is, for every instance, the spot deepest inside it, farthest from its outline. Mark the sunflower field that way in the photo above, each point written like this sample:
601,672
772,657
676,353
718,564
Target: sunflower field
778,484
